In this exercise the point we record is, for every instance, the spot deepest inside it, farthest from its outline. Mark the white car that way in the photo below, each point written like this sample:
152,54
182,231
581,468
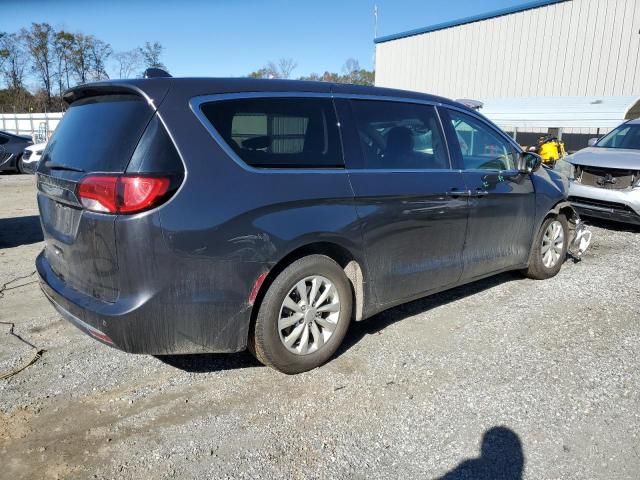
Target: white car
31,157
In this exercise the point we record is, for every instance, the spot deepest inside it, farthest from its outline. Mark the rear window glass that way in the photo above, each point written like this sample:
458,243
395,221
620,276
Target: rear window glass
279,132
99,134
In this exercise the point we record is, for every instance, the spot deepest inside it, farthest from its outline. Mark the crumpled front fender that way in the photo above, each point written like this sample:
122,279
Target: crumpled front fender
580,235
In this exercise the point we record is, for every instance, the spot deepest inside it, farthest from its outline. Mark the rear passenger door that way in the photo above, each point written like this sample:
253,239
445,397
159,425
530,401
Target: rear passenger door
410,201
502,202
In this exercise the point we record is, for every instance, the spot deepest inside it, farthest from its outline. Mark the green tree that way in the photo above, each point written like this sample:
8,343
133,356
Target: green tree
151,53
351,73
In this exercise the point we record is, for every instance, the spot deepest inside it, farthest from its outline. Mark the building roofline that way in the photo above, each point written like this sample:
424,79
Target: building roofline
475,18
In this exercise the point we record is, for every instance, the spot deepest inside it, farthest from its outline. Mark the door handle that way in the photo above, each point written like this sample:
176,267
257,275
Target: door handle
458,193
479,193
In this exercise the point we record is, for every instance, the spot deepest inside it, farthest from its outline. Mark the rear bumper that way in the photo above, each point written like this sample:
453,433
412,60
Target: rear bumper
616,205
154,324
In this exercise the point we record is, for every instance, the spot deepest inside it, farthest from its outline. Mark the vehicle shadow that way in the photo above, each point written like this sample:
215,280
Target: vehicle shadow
374,325
501,458
213,362
18,231
210,362
610,225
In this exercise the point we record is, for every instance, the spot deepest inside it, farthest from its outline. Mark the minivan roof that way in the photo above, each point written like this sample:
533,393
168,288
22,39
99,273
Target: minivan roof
156,88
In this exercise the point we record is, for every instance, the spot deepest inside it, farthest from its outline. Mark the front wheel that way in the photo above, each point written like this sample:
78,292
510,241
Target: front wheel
550,248
304,316
20,165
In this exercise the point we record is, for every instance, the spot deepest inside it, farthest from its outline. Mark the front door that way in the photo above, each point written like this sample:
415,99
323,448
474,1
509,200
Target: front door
502,202
410,201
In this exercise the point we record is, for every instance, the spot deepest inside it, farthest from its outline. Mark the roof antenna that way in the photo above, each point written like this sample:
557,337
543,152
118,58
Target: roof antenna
155,73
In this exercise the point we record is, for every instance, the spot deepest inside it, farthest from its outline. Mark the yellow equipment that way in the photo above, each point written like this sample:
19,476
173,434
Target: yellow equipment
550,148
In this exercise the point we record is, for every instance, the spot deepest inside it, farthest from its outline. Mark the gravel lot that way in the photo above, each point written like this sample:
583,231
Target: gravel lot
545,372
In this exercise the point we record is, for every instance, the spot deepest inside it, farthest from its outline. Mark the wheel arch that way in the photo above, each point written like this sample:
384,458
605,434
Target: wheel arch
353,269
561,207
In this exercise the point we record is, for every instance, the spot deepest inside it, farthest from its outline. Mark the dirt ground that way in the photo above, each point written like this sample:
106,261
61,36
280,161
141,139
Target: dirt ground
505,378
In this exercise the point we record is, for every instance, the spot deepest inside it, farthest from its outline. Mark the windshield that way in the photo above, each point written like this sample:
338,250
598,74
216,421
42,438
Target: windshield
625,136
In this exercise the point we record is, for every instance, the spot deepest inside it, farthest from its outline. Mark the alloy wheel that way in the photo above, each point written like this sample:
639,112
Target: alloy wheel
309,315
552,244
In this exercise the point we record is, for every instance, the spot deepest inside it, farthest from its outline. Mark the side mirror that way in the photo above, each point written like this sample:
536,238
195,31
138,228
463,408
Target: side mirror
592,141
529,162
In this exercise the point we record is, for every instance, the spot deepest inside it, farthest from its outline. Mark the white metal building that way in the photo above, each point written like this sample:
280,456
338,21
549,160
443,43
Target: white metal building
543,48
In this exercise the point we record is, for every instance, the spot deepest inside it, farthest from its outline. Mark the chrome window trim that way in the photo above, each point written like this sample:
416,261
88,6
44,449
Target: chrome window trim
196,103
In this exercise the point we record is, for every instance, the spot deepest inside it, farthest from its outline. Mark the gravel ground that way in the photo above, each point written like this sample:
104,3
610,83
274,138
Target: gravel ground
503,378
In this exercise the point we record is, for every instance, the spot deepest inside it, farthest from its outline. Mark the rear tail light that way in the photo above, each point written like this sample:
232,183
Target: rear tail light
122,193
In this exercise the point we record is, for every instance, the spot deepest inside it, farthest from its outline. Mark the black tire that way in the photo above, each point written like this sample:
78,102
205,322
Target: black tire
537,269
265,342
19,166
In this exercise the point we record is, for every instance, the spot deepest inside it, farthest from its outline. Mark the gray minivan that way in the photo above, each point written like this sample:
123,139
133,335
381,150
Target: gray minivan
212,215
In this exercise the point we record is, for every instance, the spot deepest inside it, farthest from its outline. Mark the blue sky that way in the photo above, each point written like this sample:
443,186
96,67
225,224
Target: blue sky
234,37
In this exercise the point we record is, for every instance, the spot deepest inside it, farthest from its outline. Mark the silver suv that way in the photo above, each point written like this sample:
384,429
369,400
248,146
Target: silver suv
605,178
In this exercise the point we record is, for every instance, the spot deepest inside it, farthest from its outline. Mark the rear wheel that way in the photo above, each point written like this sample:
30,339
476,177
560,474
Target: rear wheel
549,249
304,316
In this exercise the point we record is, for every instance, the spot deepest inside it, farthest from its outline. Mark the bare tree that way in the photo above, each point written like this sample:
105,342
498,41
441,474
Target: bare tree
353,73
63,51
39,41
3,52
99,53
350,66
151,53
283,69
128,62
81,58
13,61
89,59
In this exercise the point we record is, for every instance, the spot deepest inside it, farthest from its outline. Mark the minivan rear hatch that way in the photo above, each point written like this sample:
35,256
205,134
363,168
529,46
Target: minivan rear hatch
98,135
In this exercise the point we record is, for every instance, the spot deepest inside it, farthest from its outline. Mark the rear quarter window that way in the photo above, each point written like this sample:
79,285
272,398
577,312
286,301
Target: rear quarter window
99,134
279,132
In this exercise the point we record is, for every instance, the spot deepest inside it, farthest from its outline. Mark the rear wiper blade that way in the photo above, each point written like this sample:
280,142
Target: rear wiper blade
59,166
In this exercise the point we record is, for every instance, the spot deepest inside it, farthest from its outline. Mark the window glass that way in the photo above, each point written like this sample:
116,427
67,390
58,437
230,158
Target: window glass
480,145
99,134
279,132
625,136
397,135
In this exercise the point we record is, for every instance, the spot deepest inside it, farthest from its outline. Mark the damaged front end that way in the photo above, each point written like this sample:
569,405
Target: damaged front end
580,238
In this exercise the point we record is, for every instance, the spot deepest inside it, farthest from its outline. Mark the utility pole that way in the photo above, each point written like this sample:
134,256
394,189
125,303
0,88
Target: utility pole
375,33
